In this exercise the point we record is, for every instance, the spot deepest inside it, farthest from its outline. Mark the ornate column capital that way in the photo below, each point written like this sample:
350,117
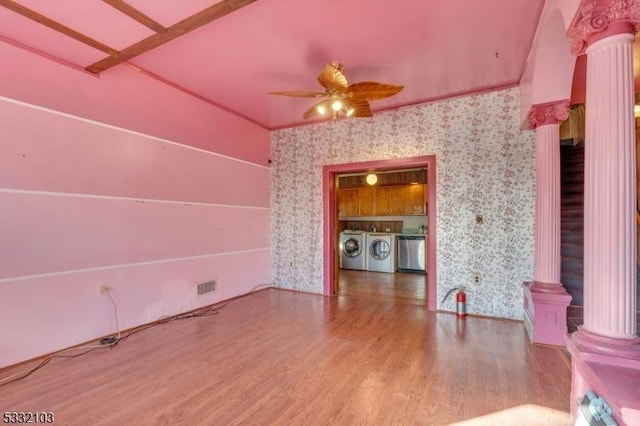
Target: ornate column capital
552,113
597,19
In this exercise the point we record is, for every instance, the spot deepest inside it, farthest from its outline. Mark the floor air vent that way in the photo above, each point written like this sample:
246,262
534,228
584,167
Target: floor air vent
207,287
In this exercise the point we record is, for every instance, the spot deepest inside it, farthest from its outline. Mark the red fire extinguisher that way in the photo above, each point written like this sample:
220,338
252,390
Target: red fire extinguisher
461,303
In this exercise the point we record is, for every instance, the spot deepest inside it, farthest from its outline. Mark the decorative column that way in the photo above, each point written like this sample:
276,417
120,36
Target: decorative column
546,120
546,300
606,349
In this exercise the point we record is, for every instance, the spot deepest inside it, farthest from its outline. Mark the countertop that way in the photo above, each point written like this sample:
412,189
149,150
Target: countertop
385,233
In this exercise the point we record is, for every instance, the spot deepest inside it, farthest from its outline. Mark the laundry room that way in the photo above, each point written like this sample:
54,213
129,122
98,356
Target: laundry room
382,219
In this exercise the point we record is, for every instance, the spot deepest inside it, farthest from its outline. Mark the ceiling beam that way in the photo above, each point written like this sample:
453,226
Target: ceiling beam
136,15
56,26
185,26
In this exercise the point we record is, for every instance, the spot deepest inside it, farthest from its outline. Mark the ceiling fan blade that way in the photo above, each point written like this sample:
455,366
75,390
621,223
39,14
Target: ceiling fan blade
313,111
332,78
361,107
300,94
355,98
371,90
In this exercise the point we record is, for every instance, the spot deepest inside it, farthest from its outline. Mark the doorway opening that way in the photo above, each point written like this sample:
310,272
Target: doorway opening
333,226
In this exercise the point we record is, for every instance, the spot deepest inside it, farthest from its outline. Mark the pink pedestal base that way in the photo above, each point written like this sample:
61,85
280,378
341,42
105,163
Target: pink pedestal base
545,308
610,368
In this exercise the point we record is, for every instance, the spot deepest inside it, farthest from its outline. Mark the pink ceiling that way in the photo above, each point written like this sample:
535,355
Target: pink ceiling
435,48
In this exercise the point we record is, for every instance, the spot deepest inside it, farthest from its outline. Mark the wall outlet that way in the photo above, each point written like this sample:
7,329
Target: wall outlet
476,278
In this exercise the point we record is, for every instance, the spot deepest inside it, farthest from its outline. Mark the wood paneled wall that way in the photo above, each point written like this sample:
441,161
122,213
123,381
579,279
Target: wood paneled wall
394,226
385,178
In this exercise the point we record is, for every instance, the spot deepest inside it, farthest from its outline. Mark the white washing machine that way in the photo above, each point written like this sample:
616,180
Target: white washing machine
382,252
353,252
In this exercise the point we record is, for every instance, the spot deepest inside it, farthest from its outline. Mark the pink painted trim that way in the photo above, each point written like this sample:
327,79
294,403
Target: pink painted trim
329,173
591,342
612,377
424,101
542,287
45,55
455,95
548,113
613,29
599,19
577,41
548,314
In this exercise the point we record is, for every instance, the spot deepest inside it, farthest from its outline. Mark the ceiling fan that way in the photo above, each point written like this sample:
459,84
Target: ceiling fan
342,98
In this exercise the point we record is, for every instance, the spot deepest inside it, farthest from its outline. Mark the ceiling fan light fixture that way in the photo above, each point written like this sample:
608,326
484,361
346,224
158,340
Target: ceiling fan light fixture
342,99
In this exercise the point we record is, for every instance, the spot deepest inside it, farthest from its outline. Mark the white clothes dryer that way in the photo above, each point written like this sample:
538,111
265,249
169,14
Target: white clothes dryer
353,250
382,252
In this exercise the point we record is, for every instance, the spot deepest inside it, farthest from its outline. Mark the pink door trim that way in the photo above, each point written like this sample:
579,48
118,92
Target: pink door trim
329,173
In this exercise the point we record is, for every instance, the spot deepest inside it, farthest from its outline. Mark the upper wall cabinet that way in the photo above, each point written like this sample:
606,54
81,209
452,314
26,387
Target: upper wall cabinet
394,200
416,199
390,200
355,202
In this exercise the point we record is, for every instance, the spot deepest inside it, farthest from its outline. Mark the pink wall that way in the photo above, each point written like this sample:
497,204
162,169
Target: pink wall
85,204
91,158
44,233
128,98
41,315
548,73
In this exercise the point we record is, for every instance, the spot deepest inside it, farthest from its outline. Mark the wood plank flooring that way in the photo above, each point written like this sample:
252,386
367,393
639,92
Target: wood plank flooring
287,358
401,287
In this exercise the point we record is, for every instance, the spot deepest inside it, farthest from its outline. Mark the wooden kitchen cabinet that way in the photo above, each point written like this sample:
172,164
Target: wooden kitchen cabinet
355,202
347,202
390,200
381,204
398,200
365,204
416,199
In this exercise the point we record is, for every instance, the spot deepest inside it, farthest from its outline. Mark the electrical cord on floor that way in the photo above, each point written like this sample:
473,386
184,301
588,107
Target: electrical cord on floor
104,343
115,312
45,361
197,313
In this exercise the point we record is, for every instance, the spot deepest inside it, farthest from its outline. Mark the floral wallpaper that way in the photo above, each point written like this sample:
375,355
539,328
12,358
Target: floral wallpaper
485,165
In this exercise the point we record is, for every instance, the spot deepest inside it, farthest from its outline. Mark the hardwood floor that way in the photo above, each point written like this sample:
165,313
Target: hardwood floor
287,358
401,287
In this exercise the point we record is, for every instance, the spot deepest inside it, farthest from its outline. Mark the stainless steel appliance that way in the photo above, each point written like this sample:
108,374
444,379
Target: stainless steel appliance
411,253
